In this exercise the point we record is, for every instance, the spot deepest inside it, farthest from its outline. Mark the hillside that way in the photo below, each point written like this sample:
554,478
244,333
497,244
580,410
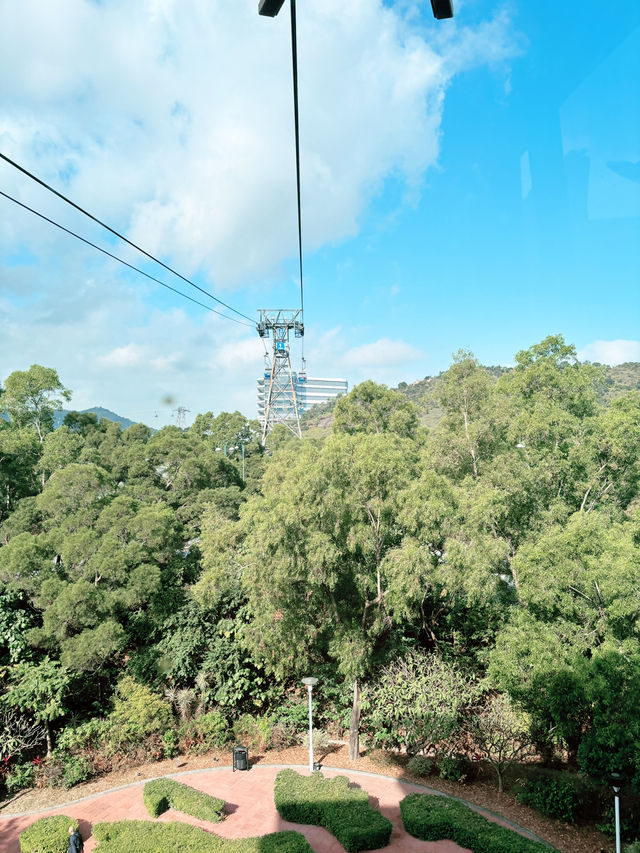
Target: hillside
103,414
617,381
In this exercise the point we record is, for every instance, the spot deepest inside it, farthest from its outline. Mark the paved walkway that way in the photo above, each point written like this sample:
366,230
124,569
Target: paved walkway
249,804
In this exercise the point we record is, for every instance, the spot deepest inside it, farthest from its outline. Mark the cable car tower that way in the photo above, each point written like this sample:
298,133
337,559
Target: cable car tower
280,397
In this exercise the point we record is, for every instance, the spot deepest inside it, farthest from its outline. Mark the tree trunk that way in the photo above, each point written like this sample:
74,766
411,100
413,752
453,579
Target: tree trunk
354,731
47,726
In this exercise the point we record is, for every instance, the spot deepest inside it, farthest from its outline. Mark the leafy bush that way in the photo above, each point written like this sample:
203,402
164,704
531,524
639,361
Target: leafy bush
137,713
22,776
204,733
293,714
331,803
47,835
75,770
284,735
140,836
420,765
418,702
170,743
161,794
454,768
88,735
433,818
553,797
254,732
632,848
320,740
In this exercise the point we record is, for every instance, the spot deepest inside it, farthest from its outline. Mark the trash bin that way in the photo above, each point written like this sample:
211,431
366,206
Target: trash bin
240,758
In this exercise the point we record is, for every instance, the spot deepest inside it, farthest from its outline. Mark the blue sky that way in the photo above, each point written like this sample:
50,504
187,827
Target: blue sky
470,183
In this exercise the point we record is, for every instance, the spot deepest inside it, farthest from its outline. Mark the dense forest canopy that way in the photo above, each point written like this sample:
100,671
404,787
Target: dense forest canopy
491,558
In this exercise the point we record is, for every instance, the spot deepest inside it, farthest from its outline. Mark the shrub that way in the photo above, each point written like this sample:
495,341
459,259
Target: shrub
170,743
22,776
294,715
138,713
161,794
420,765
331,803
433,818
204,733
47,835
140,836
254,732
419,702
320,740
284,735
454,768
632,848
75,769
88,735
553,797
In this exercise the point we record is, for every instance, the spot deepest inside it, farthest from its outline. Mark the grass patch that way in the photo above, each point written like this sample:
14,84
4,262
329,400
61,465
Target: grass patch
331,803
47,835
434,818
142,836
162,794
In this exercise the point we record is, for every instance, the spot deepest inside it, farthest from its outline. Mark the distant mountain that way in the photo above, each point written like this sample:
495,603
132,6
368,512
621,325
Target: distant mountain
103,414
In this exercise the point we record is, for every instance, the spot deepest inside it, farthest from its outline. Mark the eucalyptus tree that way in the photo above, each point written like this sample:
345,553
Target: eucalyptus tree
310,550
32,396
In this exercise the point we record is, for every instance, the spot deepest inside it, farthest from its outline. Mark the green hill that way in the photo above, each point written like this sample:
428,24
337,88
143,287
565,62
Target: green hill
617,381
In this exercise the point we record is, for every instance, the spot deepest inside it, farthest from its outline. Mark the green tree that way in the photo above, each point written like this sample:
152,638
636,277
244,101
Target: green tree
19,451
373,408
501,733
40,689
32,396
312,554
59,449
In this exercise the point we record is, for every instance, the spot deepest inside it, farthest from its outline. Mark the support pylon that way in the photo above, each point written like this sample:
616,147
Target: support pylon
280,397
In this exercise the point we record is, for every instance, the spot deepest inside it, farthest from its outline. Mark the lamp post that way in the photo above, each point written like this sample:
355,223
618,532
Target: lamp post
615,780
310,684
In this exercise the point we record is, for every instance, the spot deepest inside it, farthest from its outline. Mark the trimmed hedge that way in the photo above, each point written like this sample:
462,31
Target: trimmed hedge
434,818
142,836
47,835
331,803
161,794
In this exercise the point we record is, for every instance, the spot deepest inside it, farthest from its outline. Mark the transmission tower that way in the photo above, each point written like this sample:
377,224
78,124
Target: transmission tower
180,413
280,398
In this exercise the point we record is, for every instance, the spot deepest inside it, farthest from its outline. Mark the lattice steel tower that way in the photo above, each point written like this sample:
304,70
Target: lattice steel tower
280,397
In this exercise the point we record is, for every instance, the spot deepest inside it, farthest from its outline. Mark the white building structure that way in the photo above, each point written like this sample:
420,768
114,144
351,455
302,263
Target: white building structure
309,391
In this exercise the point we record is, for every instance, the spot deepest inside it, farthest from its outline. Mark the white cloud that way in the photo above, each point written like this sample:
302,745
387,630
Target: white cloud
381,353
173,119
127,356
611,352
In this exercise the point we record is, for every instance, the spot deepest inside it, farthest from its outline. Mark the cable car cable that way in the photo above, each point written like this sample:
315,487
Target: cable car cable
120,260
296,123
120,236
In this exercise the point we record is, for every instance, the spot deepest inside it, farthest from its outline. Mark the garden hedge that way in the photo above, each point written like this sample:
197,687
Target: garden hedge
161,794
431,817
331,803
47,835
142,836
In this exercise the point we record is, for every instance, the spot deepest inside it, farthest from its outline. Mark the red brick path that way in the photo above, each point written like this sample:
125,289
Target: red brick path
249,802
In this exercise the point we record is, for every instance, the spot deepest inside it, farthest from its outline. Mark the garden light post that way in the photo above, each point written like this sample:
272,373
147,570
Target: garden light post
615,779
310,683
